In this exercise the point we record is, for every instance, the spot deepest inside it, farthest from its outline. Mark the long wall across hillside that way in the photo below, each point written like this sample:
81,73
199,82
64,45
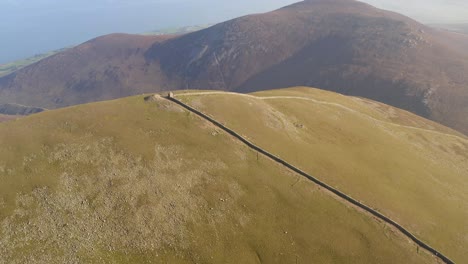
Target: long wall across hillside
342,195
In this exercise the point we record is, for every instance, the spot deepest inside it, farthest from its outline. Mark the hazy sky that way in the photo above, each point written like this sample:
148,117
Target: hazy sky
29,27
427,11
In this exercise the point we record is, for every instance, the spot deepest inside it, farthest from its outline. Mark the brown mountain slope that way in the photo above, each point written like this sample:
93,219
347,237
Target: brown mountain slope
106,67
339,45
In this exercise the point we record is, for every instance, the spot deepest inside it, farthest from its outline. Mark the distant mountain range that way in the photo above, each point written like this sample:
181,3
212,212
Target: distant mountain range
338,45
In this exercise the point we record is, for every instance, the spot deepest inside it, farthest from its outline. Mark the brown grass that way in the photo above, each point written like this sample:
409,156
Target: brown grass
130,181
409,169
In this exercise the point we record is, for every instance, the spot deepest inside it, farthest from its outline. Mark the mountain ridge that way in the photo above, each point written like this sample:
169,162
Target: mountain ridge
342,46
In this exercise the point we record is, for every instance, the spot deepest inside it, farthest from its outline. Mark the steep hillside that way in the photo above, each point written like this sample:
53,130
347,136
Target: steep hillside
108,67
338,45
11,67
140,180
408,168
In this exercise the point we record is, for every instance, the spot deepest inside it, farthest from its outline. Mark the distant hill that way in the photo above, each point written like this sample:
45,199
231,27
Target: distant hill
11,67
14,109
141,180
460,28
107,67
343,46
8,68
338,45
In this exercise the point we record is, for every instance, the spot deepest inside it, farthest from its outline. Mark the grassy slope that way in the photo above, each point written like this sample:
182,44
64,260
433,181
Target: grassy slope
129,181
415,176
4,118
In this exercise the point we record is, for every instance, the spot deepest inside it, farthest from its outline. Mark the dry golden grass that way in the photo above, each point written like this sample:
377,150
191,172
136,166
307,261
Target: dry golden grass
4,118
135,181
408,168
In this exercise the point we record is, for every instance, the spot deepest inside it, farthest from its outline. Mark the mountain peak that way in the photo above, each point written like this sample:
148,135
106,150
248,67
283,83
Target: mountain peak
344,46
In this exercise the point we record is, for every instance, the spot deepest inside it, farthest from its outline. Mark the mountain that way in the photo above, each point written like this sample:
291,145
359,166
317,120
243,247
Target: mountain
142,180
14,109
11,67
107,67
338,45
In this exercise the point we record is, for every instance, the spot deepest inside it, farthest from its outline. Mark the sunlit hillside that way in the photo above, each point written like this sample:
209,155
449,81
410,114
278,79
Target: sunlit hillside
411,169
141,180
